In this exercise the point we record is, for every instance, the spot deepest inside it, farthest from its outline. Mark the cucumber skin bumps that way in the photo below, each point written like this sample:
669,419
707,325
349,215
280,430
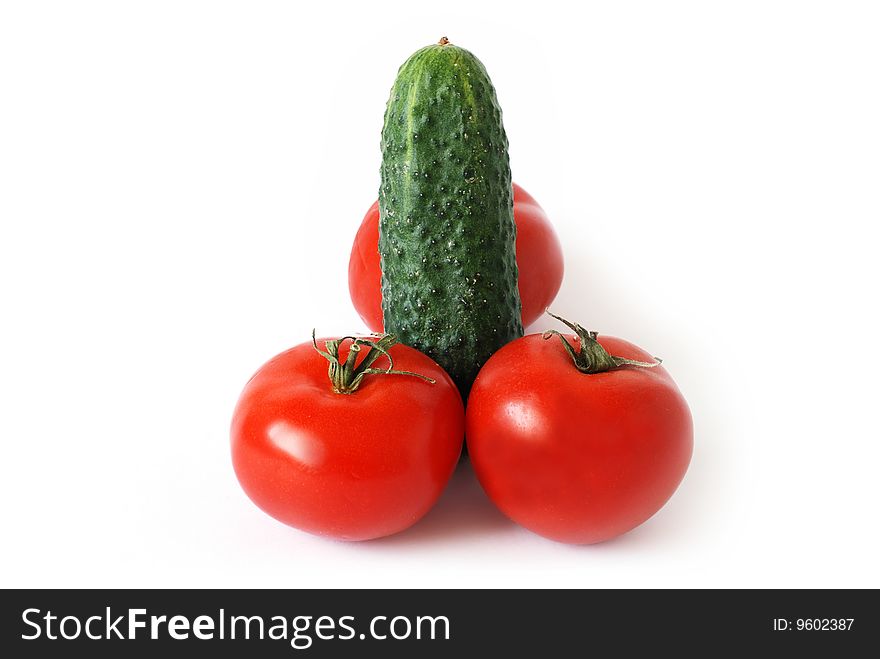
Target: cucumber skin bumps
447,237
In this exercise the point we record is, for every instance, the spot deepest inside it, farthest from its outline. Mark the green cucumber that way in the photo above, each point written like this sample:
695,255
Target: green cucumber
447,238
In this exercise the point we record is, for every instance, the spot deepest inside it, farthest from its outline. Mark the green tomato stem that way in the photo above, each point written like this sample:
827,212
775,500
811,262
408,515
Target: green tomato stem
592,357
347,375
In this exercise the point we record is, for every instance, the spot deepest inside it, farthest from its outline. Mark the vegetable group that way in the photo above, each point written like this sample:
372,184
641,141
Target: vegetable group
447,238
538,259
342,452
575,437
572,443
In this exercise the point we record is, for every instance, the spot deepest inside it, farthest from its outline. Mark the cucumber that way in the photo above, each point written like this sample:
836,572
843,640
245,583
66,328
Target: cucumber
447,237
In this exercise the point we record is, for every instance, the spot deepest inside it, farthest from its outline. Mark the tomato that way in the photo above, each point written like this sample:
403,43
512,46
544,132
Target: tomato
349,466
577,457
538,255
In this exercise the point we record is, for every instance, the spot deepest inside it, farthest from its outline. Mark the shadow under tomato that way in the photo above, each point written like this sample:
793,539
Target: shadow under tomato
462,511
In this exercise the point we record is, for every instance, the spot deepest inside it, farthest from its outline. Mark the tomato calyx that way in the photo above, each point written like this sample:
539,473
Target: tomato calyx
592,357
347,375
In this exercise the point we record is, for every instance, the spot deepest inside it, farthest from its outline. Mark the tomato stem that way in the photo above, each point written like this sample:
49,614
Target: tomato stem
592,357
346,376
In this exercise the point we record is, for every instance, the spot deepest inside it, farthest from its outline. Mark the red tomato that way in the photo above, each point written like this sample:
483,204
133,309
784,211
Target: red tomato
348,466
538,255
576,457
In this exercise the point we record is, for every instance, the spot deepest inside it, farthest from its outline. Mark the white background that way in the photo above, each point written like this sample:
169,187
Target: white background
179,184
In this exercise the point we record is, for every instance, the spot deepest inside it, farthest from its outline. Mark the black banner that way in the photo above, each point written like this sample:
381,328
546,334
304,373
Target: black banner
432,623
